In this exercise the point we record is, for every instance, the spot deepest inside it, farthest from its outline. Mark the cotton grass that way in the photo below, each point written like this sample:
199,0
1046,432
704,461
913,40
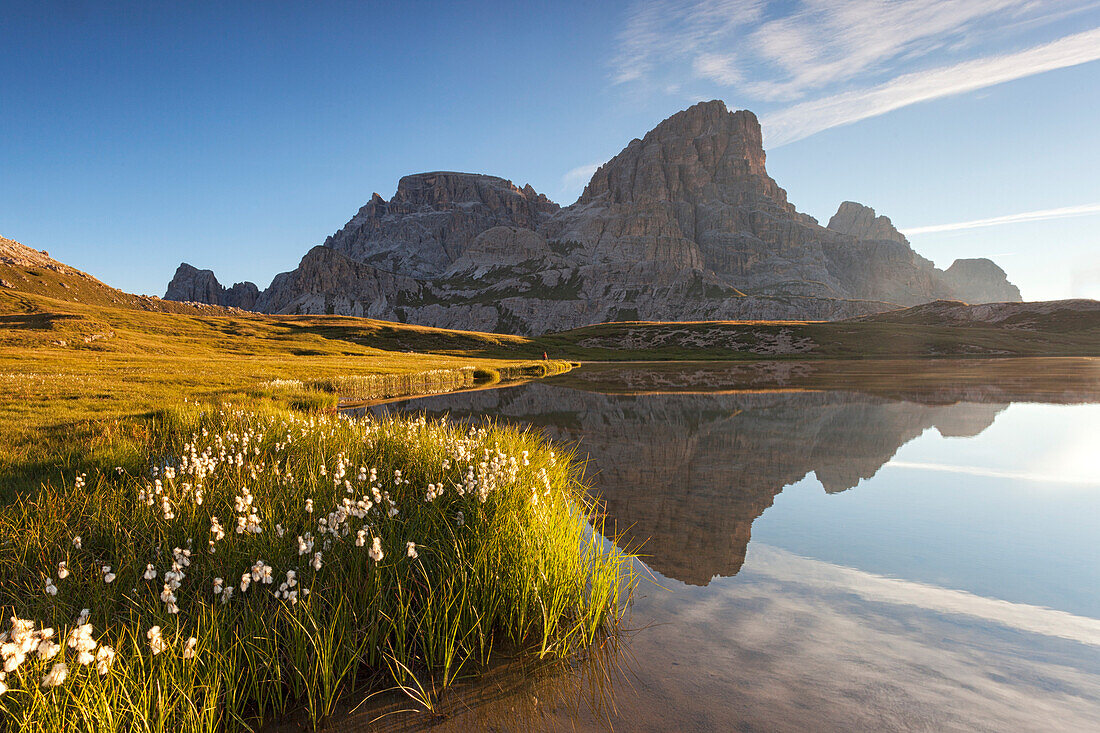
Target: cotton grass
356,547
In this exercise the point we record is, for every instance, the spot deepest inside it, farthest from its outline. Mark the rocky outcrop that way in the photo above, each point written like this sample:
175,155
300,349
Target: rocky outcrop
972,280
433,218
683,224
328,282
861,222
191,284
980,281
15,253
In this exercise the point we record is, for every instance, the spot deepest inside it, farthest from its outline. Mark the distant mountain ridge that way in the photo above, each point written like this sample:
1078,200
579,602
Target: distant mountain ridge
683,224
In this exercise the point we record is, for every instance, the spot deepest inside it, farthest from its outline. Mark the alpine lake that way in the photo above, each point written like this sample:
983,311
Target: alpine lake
826,546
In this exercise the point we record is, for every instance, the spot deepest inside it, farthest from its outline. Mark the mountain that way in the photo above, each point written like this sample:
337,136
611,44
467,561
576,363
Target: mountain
683,224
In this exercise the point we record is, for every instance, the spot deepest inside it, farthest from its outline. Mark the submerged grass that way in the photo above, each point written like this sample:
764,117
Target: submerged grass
247,562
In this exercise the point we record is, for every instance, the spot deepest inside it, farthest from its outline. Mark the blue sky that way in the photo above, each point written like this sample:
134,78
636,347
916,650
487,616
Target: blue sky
237,136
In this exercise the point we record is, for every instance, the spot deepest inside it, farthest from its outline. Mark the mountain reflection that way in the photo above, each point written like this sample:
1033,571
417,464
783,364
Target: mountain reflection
684,474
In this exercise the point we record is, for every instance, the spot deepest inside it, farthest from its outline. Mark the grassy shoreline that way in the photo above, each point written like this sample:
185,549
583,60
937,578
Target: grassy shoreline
199,534
92,387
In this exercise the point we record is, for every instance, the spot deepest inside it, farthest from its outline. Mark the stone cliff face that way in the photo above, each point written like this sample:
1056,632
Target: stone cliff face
973,281
980,280
683,224
433,218
191,284
860,222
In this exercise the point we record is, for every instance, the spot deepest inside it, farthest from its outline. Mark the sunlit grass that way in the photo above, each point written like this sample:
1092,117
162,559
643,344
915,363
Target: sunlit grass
320,590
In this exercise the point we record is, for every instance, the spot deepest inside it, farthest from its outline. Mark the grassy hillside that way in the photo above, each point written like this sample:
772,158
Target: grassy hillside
78,358
378,552
908,333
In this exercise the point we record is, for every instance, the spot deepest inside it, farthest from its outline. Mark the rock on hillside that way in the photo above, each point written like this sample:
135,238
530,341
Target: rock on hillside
683,224
860,222
980,280
191,284
20,255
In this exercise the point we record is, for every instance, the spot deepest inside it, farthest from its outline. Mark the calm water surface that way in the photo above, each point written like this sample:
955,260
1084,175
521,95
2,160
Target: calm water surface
881,556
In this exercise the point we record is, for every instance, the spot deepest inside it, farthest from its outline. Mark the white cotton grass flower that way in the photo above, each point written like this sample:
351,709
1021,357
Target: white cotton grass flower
218,586
156,640
83,617
316,562
77,542
62,570
246,580
189,648
56,676
375,551
3,687
13,655
50,587
309,502
410,549
150,572
104,656
81,642
47,649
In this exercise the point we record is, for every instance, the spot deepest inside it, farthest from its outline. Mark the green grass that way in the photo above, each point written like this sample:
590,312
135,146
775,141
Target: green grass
505,555
92,379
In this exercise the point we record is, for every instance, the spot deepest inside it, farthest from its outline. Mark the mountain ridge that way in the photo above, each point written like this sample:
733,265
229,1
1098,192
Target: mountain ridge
682,224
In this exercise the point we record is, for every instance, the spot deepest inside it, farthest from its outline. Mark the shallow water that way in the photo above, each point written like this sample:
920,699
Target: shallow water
838,551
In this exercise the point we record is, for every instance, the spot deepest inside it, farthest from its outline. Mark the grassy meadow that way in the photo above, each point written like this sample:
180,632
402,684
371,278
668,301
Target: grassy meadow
193,539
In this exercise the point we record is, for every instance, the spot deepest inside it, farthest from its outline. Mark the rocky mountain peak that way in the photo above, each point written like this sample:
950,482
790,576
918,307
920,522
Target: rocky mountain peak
683,224
442,188
861,222
704,153
980,280
433,217
191,284
15,253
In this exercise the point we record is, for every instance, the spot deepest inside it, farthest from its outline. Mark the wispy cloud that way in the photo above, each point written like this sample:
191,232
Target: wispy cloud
787,566
574,180
826,41
1049,478
860,58
658,31
807,118
784,51
1064,212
